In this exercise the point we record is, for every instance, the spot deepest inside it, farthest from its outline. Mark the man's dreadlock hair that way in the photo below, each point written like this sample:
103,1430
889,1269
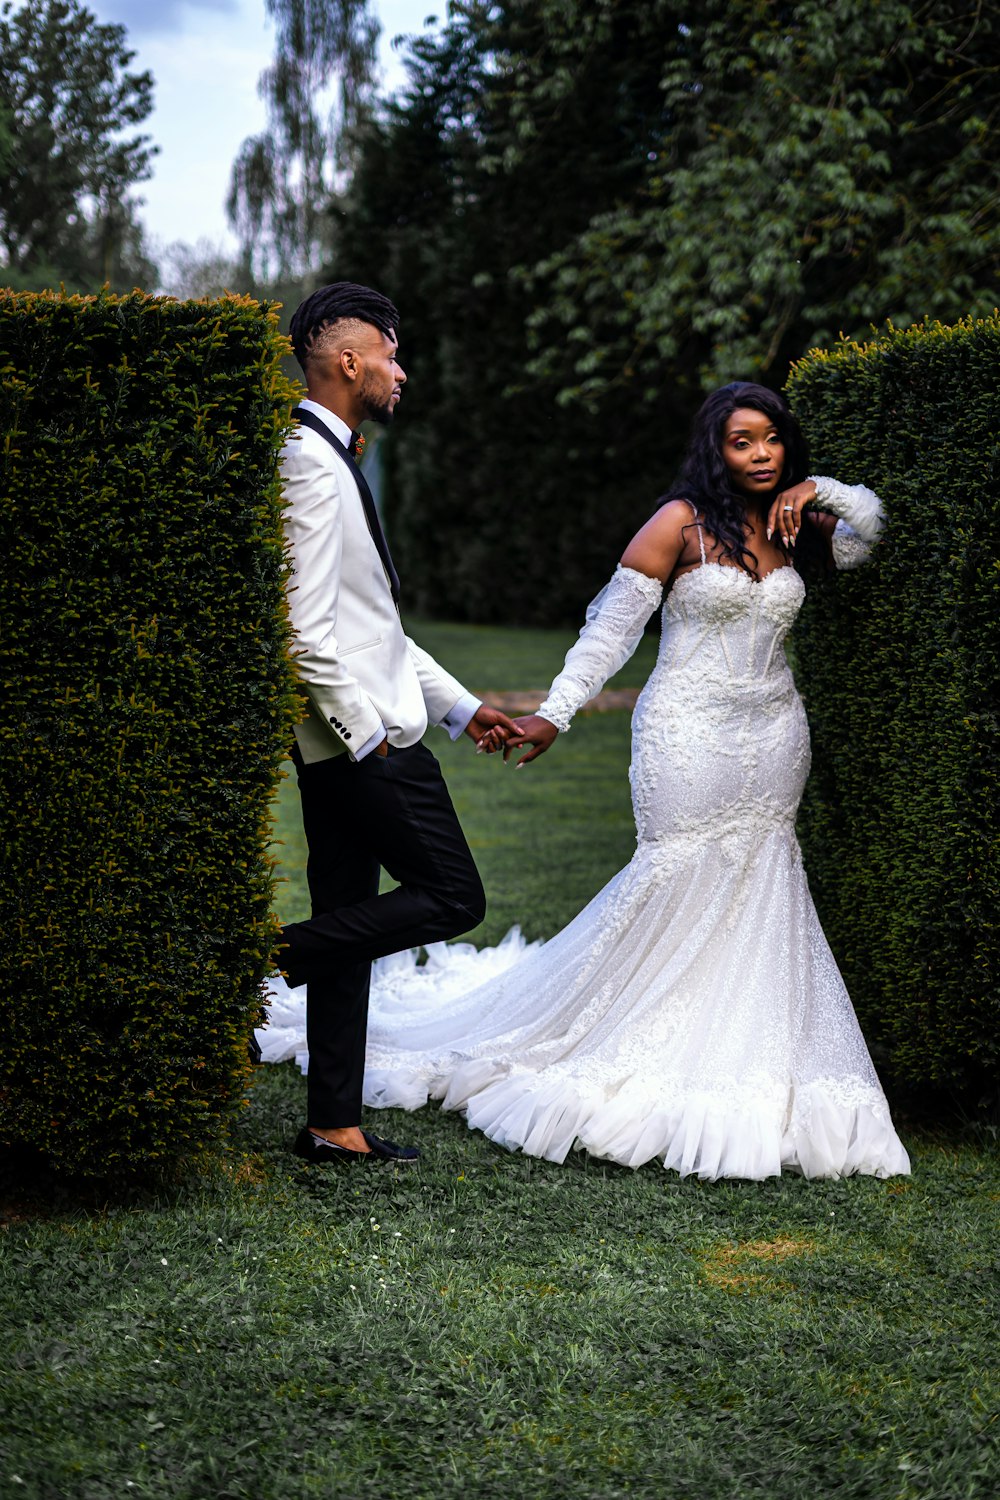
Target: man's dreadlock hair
333,303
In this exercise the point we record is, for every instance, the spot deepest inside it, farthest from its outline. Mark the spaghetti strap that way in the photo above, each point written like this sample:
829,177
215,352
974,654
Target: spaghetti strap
701,531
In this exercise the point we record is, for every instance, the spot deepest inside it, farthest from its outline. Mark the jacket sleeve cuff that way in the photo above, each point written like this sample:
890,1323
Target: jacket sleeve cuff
369,745
457,719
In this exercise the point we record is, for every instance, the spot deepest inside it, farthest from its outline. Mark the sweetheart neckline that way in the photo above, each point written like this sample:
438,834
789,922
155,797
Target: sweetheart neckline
723,568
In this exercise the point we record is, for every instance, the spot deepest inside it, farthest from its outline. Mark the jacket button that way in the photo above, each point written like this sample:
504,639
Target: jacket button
347,734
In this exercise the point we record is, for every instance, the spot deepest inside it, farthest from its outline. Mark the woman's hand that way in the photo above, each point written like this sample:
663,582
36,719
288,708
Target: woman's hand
784,519
532,730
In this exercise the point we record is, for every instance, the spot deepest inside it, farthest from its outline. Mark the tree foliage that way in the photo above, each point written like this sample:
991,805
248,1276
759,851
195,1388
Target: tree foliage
814,168
73,156
282,179
590,210
489,476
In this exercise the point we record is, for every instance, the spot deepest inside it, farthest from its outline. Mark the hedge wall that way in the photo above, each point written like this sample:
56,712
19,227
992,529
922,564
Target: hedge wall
899,666
147,702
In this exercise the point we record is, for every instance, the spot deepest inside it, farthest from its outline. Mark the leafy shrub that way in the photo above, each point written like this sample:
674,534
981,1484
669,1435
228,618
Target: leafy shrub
899,663
147,703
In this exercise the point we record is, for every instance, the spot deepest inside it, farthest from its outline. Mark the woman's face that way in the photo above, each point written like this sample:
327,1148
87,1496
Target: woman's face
752,451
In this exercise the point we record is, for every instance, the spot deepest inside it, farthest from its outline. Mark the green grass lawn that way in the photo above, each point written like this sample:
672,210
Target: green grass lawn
485,1325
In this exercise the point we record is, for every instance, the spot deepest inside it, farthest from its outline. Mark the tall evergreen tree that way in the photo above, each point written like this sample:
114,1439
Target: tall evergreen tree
449,195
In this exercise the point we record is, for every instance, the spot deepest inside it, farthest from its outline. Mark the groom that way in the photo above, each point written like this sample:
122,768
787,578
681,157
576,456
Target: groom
372,795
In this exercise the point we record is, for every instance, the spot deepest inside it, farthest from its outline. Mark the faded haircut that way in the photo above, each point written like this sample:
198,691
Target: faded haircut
334,303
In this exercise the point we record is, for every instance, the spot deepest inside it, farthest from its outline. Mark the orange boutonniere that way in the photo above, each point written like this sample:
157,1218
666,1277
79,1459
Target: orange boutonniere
359,445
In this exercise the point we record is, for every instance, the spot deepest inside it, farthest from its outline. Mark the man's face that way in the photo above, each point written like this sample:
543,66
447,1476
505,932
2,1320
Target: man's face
382,378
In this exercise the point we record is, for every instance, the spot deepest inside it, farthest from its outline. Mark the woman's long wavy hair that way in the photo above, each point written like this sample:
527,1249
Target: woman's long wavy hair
705,480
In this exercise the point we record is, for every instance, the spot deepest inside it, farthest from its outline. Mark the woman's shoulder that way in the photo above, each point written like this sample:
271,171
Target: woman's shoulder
656,548
676,513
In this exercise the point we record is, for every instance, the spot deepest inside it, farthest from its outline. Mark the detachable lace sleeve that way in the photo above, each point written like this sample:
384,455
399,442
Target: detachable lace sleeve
614,625
860,519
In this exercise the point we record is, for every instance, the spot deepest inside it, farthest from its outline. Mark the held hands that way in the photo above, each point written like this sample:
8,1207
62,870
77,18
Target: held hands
528,731
785,516
531,730
490,728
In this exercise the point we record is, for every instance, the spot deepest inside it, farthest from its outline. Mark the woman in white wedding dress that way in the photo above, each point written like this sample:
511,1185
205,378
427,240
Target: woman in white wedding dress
693,1011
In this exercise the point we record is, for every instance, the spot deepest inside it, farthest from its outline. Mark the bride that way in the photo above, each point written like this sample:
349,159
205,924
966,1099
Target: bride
693,1011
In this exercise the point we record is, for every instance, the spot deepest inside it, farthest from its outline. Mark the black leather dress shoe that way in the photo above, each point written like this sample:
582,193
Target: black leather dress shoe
313,1148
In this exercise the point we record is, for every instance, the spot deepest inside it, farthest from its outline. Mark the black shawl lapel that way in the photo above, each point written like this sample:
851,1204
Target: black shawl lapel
310,419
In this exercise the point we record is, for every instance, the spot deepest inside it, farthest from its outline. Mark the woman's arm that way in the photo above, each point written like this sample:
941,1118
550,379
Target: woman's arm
860,520
614,625
852,519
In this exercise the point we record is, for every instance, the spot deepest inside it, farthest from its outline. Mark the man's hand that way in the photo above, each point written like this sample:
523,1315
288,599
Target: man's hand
532,730
490,728
383,748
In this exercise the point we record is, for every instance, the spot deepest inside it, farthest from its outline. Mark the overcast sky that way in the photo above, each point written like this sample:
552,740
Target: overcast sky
206,57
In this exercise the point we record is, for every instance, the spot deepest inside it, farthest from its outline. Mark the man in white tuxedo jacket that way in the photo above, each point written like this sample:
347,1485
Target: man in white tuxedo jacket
372,794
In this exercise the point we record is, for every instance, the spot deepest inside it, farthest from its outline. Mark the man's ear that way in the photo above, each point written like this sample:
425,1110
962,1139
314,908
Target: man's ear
350,364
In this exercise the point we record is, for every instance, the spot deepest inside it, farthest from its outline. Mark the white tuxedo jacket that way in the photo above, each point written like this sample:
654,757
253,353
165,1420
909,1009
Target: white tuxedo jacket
358,668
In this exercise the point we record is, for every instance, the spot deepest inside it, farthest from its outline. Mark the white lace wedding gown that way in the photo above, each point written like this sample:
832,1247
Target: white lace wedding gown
693,1011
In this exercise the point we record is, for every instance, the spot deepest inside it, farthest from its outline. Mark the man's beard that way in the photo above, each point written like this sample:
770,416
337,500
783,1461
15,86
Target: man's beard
375,409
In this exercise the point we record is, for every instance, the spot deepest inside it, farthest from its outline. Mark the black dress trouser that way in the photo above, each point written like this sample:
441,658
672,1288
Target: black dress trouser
385,811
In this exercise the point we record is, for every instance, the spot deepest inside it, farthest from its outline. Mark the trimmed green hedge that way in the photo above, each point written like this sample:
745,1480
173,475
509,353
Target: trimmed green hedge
147,703
899,665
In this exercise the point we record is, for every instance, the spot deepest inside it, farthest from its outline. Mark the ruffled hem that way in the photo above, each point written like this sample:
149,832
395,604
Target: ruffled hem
695,1134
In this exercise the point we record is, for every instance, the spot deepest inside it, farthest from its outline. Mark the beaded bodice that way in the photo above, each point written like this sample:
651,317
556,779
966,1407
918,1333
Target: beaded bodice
722,623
